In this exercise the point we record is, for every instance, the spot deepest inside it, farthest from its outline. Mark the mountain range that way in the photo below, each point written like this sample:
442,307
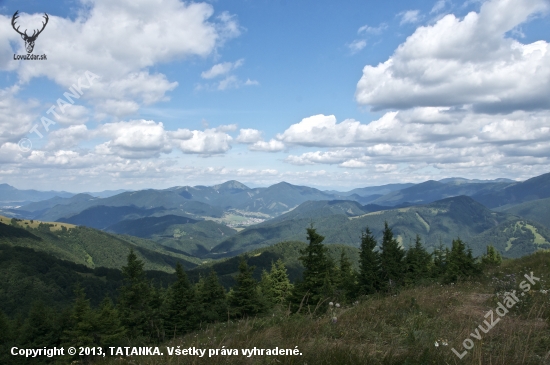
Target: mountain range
230,218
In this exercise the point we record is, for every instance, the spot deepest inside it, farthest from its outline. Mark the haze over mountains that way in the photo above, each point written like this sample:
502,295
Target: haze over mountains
230,218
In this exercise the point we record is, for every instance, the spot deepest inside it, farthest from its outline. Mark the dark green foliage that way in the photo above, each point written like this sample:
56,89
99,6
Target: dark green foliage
445,219
182,306
158,314
439,261
81,323
27,275
14,231
265,286
418,263
87,327
346,279
369,265
280,286
40,329
460,263
391,261
6,338
492,257
109,330
212,299
536,210
315,286
514,238
245,300
134,298
91,247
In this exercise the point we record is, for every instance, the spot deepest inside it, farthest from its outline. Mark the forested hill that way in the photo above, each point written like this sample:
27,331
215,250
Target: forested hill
88,246
29,276
437,222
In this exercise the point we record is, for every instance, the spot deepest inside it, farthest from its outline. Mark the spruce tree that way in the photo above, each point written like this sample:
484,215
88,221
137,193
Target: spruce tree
183,308
156,321
135,294
391,260
491,258
315,286
369,265
460,263
266,288
40,328
82,322
440,261
417,263
245,299
109,330
346,278
212,299
280,284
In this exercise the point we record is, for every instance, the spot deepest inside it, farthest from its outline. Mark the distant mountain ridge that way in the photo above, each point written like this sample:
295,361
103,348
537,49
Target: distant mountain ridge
441,220
519,192
10,194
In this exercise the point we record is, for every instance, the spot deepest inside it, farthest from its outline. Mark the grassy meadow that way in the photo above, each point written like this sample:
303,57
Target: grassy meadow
415,326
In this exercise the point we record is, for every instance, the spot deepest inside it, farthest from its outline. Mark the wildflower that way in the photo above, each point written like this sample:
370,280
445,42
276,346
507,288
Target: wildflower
445,343
331,304
337,305
334,319
436,344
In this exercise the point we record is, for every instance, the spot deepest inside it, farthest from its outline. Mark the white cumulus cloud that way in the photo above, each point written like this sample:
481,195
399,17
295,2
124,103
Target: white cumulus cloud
221,69
465,61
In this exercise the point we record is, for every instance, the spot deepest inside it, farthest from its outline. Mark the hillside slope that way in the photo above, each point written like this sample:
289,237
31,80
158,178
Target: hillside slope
532,189
534,210
87,246
431,191
441,221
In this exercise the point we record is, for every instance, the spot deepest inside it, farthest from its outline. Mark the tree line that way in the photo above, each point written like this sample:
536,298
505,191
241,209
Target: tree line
147,314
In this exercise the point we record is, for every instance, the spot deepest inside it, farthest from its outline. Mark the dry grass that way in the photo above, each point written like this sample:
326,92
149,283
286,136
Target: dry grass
400,329
34,223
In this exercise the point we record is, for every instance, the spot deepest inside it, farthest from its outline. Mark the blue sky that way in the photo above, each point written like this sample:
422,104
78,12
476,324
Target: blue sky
328,94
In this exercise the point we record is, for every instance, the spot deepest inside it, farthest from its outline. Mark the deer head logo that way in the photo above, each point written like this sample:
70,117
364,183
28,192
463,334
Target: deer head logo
29,40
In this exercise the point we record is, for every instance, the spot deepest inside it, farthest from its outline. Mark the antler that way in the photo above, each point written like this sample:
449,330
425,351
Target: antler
43,25
34,34
13,18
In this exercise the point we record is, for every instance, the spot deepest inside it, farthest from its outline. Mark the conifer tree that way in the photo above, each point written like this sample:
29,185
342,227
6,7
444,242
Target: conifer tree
40,328
346,278
417,263
109,330
440,261
280,284
492,257
369,265
245,299
183,308
391,260
266,288
460,263
134,300
315,285
212,298
158,314
82,322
